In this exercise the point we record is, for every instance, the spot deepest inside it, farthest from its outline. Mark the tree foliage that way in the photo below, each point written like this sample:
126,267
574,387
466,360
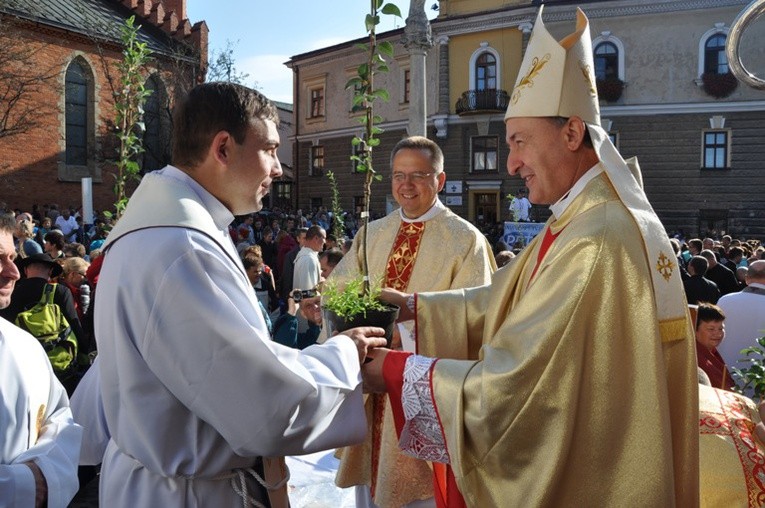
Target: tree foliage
129,100
365,94
222,66
22,78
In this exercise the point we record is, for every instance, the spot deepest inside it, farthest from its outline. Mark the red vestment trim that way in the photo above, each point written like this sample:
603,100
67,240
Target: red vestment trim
399,270
547,241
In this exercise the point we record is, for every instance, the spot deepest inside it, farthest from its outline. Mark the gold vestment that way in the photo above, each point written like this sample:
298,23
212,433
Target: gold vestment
452,253
580,397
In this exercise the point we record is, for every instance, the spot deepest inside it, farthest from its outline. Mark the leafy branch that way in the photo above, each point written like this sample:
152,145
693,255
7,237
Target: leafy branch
129,101
752,376
365,95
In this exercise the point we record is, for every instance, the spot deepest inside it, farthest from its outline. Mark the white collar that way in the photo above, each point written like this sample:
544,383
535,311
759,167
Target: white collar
221,215
434,210
560,206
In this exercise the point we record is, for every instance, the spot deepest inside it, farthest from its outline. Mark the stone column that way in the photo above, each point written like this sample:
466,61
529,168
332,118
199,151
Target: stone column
417,39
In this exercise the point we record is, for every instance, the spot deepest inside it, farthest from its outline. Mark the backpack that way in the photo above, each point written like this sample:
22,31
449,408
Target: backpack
47,323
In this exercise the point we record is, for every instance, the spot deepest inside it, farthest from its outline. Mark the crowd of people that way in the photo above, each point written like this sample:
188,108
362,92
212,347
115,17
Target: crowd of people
569,376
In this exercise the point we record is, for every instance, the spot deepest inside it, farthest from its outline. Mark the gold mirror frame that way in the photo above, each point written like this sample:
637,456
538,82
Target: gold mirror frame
753,11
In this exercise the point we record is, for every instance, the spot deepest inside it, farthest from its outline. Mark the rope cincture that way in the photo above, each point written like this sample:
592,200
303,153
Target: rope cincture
238,479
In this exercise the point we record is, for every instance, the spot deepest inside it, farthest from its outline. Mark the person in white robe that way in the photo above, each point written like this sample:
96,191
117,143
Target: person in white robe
39,441
200,404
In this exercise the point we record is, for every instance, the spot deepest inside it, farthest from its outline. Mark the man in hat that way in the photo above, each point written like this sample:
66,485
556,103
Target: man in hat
39,441
579,382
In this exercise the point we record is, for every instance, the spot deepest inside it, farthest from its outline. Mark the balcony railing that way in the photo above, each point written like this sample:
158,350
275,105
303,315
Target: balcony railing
482,101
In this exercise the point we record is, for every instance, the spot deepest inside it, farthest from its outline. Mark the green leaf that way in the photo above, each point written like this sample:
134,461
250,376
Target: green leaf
363,72
373,142
371,22
383,94
377,130
356,141
378,178
386,48
378,3
383,68
351,83
391,9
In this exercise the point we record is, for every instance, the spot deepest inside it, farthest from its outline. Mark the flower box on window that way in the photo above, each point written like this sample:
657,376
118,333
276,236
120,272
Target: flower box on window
717,85
610,89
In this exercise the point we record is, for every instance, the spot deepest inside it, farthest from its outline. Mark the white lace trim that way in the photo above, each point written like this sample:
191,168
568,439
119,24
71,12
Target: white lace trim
421,436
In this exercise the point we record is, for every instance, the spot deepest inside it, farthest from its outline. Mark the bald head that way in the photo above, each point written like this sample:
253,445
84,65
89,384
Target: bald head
756,272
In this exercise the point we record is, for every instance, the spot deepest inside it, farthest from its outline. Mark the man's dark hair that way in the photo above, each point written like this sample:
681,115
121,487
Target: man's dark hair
211,108
696,243
421,143
313,232
333,256
735,252
56,238
7,222
300,231
699,265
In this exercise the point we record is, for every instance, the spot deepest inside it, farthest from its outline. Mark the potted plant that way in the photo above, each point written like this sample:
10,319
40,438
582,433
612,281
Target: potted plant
751,377
717,85
610,89
350,306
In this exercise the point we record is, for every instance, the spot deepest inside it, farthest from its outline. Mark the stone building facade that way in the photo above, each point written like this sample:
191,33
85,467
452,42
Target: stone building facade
59,72
666,97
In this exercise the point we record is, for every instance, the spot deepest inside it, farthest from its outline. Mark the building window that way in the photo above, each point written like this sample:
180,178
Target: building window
484,149
317,160
715,60
282,193
407,86
716,149
317,102
614,137
606,61
76,114
358,205
486,72
156,137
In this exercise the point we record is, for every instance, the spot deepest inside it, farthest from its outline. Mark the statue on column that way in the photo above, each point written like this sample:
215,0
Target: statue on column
417,31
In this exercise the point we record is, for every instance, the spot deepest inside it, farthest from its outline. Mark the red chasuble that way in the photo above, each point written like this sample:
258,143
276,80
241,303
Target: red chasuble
713,364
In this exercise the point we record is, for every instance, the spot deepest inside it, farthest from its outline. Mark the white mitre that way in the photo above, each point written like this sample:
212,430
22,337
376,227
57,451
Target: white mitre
557,79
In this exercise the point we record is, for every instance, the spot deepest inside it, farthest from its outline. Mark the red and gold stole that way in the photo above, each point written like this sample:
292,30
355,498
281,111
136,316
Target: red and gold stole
401,260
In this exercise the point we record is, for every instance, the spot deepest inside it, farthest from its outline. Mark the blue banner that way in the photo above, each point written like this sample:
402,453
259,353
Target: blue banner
525,231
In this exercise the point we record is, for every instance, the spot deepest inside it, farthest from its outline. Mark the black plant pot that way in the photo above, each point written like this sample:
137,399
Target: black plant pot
385,319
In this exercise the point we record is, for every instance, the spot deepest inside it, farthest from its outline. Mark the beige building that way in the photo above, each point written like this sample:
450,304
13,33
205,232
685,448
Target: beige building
666,97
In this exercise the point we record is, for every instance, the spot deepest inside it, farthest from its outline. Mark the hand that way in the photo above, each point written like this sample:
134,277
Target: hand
41,485
372,372
366,338
398,298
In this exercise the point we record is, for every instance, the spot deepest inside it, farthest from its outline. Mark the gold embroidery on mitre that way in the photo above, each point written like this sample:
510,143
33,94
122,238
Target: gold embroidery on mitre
588,77
527,80
665,266
40,420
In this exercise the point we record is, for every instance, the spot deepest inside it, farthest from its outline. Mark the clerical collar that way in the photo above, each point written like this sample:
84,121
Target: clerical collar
221,215
560,206
437,208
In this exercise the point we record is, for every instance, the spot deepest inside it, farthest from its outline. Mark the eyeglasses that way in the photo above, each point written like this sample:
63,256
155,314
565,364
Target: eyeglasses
416,177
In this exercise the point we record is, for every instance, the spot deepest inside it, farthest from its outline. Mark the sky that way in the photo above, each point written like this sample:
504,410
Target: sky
267,33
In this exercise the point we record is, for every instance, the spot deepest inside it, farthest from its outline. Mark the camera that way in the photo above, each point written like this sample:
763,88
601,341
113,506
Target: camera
298,294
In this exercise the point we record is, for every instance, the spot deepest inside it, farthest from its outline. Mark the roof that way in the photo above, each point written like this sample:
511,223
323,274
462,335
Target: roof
102,19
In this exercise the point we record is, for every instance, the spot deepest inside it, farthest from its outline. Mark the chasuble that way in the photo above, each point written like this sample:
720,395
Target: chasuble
439,251
580,395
